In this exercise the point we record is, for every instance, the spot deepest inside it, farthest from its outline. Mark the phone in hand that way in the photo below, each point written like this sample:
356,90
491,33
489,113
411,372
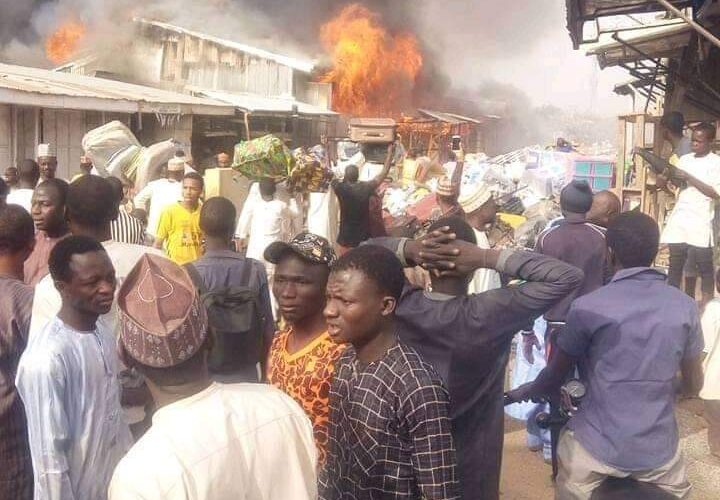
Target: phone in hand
455,144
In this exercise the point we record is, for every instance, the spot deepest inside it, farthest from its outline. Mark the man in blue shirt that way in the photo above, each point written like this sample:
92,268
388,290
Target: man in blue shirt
630,338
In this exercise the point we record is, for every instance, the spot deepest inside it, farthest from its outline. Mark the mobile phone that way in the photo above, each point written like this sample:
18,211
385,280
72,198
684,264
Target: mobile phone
456,142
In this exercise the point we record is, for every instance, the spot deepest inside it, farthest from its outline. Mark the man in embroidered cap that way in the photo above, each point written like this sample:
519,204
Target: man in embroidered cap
480,211
160,194
68,380
47,160
208,441
302,357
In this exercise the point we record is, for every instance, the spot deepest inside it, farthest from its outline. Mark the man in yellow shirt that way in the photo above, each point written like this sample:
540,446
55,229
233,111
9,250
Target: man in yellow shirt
179,228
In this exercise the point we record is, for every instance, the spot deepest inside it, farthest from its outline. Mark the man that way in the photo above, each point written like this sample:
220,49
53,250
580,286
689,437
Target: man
302,357
576,242
16,243
354,198
208,441
389,424
630,338
126,228
90,208
220,268
672,125
48,213
67,379
264,221
86,167
11,178
689,225
4,191
179,227
223,160
605,207
47,161
160,194
480,211
710,393
28,175
467,338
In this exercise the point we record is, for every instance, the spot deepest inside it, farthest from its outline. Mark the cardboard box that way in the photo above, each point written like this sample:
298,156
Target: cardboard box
376,130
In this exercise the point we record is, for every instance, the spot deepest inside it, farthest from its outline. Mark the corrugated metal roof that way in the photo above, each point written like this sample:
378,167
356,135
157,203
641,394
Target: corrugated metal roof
253,103
303,65
655,42
26,86
452,118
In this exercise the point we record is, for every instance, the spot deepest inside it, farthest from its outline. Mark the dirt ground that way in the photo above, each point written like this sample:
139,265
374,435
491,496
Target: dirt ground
525,476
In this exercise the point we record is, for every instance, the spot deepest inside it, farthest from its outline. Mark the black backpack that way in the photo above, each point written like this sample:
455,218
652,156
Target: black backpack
236,323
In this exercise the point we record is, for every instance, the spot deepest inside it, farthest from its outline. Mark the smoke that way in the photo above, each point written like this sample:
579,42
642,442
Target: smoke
475,52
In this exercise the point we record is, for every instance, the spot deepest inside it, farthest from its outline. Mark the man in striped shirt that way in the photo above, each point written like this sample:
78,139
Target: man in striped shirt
126,228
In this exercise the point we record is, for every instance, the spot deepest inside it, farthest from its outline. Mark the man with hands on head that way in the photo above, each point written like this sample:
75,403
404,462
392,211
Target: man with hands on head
467,337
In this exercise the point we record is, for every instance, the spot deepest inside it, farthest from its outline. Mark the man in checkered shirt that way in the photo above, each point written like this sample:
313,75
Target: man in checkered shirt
389,425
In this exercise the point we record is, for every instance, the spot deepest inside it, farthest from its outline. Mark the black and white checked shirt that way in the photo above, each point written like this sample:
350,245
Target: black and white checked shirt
389,431
127,229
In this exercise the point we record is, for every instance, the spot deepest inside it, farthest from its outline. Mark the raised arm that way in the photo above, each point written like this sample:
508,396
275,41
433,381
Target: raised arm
386,167
457,176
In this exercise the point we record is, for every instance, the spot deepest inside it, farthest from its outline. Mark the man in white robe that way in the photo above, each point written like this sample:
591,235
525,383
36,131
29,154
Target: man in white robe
67,379
480,210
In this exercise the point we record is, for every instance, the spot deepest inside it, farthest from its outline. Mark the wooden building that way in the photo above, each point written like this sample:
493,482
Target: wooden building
38,105
272,93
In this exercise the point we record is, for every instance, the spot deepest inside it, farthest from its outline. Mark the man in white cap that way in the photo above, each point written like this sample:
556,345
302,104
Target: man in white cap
47,160
208,441
160,194
480,211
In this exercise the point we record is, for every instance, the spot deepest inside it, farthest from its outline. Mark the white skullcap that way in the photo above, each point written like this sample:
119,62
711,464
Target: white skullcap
46,150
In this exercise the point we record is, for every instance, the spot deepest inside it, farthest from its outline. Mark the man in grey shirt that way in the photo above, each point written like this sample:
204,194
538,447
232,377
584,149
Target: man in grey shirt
221,267
630,338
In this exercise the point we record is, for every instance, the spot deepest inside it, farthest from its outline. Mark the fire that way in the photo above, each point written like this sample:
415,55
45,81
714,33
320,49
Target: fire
373,71
62,44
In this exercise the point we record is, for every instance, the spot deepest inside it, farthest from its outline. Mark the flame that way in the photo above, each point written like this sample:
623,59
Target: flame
373,71
63,44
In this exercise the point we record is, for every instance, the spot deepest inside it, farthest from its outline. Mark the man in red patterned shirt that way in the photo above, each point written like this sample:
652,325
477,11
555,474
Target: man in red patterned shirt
302,357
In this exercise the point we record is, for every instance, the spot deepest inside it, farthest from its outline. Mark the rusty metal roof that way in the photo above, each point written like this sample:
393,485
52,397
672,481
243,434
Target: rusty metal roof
27,86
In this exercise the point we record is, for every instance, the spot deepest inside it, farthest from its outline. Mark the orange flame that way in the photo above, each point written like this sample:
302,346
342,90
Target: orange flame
63,44
373,72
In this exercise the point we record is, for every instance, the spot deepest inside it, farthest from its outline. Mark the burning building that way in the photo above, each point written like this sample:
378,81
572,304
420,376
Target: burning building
272,93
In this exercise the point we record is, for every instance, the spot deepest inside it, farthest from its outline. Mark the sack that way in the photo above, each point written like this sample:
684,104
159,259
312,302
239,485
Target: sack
103,143
235,322
266,156
308,174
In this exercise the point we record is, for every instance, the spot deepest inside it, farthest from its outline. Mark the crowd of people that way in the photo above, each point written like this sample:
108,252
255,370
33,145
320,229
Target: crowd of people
163,346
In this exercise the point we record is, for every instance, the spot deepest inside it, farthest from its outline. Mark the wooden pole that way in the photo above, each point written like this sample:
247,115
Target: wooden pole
670,7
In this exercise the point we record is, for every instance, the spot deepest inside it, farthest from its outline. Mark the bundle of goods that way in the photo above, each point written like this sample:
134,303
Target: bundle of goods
266,156
310,171
149,163
115,151
111,147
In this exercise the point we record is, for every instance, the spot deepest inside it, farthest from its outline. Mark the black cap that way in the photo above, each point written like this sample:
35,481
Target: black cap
309,246
674,121
576,197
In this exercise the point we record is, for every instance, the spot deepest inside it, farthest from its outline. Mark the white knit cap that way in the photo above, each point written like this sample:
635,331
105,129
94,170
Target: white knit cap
475,198
46,150
176,164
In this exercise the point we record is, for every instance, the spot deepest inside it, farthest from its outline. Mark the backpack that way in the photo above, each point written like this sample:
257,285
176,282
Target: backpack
235,321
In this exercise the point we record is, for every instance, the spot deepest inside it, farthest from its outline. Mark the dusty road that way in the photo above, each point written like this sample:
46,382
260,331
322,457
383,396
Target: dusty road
525,475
